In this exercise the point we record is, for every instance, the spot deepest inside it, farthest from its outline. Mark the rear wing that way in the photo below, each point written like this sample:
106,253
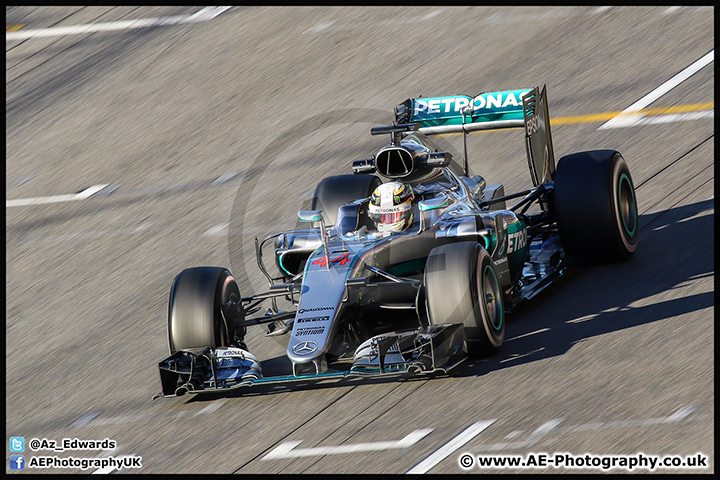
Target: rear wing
491,110
461,113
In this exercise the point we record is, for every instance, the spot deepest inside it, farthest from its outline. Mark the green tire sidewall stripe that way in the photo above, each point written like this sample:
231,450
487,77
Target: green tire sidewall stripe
498,298
625,178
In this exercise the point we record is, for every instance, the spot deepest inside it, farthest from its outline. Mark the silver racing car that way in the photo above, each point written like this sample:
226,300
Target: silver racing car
409,265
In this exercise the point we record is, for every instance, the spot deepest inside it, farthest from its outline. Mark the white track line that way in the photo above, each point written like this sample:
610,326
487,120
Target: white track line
108,469
626,117
87,193
20,181
537,435
671,10
112,468
203,15
527,334
224,178
446,450
677,416
675,117
217,230
212,407
331,27
288,450
85,419
639,119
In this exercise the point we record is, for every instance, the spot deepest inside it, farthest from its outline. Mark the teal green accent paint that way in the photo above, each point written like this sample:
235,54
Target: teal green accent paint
625,178
408,268
498,299
280,261
486,107
486,242
314,218
425,206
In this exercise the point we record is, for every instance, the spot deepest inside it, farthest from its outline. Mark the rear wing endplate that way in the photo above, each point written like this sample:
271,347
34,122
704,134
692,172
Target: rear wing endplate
538,139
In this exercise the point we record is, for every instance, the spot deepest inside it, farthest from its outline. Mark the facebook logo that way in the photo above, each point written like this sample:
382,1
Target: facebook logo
17,462
17,444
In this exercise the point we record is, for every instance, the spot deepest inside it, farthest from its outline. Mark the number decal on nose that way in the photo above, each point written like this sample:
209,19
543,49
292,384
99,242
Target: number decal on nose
343,259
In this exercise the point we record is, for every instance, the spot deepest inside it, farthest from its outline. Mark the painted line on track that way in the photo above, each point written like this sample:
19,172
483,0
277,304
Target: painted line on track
446,450
108,469
288,450
90,419
528,334
702,108
106,189
630,115
112,468
532,439
212,407
676,117
679,415
85,419
217,230
656,115
331,27
551,427
494,19
85,194
516,356
203,15
20,181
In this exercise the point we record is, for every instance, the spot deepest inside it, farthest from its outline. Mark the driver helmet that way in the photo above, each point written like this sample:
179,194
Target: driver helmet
391,207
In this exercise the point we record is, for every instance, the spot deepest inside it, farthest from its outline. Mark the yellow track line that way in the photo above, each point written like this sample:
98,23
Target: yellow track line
602,117
599,117
14,28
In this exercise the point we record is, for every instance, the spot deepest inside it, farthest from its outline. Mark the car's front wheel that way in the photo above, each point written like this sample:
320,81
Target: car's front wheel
195,317
461,286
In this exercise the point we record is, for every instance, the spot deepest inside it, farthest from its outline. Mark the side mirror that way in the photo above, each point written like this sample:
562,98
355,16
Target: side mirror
317,216
439,201
310,215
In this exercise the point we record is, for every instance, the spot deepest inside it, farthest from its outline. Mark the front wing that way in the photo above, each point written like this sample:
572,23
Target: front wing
434,349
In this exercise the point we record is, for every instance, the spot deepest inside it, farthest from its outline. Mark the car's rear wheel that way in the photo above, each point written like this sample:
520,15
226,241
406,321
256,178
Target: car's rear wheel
195,317
595,206
333,192
461,286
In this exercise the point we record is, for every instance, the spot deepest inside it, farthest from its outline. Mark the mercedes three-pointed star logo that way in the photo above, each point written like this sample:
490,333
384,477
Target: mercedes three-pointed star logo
305,348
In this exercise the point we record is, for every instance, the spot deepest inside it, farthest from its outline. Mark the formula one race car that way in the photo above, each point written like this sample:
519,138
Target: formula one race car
417,299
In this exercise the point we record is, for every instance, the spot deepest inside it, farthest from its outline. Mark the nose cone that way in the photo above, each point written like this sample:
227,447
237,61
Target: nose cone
323,289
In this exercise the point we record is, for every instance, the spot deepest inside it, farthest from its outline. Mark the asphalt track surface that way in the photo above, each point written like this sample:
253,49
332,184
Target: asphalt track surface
616,360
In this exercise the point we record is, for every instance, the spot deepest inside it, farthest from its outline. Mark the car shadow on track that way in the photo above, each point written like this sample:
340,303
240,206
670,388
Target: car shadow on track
675,246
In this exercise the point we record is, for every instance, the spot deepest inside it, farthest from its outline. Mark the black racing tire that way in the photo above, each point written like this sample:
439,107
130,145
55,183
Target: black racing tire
194,315
595,207
333,192
461,286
